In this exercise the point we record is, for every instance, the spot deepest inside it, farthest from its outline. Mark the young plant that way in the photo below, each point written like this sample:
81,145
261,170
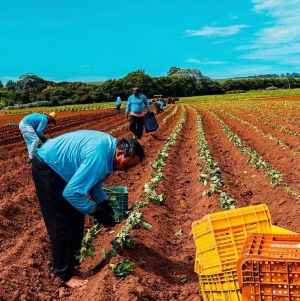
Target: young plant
87,244
122,268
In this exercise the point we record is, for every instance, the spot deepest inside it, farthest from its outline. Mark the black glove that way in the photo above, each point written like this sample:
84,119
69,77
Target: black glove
43,139
104,214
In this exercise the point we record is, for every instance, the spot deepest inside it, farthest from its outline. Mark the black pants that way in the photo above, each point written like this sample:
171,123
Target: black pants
65,225
118,109
137,126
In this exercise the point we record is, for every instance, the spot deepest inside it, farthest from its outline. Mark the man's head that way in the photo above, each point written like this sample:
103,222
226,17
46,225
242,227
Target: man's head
136,91
52,117
129,153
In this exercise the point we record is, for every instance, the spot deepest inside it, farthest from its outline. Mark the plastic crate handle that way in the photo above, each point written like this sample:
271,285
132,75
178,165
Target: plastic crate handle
109,190
286,238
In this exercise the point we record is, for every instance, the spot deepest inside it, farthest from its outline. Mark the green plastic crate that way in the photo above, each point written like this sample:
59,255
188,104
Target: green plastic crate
118,199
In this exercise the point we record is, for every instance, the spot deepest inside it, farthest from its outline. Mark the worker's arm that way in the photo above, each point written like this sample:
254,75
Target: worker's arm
40,129
89,173
97,193
146,102
128,106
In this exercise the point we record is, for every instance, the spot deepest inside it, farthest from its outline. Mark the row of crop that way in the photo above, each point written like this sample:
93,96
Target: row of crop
134,219
275,125
256,129
157,176
276,177
285,116
123,238
211,171
173,113
66,108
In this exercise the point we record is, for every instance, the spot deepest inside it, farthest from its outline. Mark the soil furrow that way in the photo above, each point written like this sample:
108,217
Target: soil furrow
245,184
283,160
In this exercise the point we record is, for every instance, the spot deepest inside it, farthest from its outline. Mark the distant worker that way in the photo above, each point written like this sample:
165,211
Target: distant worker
118,105
170,100
159,105
65,170
32,128
136,104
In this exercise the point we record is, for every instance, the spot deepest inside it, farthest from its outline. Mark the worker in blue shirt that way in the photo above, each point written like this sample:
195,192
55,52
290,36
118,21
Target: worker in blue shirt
118,105
68,172
32,128
136,104
159,105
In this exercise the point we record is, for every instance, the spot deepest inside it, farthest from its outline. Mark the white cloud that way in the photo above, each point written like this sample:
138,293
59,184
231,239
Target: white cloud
211,31
199,62
278,40
242,70
222,41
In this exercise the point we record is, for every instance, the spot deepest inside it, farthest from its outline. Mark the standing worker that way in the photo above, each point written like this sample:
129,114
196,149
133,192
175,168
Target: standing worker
118,105
135,110
65,170
32,128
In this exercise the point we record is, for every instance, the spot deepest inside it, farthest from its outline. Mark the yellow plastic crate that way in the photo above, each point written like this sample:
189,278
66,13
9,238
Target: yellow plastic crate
274,230
278,230
220,287
219,236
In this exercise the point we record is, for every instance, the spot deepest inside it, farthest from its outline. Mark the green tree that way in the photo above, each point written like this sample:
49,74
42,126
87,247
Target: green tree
10,85
185,72
138,79
29,86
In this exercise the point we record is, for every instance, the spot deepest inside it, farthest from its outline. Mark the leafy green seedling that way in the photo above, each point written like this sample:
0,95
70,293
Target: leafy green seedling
123,268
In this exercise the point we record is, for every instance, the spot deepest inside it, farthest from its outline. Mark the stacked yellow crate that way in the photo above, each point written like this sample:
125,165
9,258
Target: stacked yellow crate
219,238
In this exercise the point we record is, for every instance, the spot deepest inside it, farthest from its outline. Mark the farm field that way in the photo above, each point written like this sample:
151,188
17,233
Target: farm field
254,145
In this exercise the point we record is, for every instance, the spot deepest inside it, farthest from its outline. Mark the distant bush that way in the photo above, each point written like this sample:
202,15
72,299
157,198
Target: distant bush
29,105
235,91
271,88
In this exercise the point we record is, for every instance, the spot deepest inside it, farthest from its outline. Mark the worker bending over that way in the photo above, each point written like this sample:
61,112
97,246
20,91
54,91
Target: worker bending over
159,105
65,170
32,128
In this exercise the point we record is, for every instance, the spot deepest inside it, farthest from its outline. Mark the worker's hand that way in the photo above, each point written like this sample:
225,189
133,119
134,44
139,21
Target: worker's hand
43,139
104,214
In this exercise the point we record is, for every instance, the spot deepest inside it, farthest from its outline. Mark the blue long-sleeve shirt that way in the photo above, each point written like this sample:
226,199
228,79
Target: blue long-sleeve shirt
38,122
84,159
136,105
160,103
118,101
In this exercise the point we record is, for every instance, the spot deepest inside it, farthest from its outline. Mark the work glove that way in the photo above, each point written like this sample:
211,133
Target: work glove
104,214
43,139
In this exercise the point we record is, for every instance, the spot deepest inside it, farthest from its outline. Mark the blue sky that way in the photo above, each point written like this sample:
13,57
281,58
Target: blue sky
96,40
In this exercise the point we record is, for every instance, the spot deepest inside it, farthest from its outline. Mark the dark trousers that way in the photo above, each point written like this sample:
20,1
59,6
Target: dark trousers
136,125
65,225
118,109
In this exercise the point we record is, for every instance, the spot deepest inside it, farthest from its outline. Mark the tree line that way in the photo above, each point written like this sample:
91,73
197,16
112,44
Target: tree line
31,90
